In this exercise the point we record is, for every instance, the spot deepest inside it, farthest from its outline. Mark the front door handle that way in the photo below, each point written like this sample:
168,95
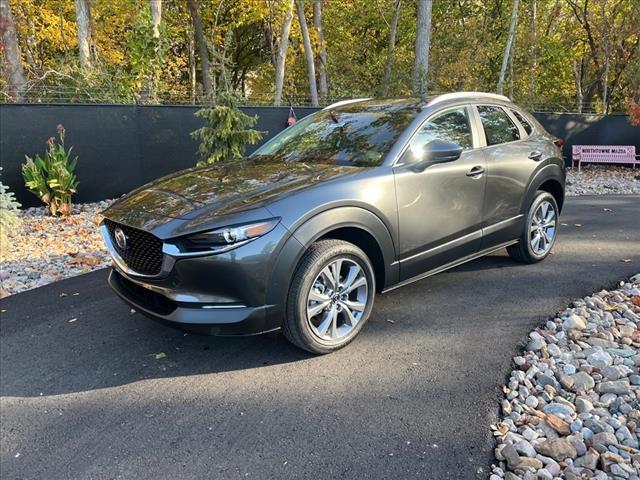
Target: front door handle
535,155
475,171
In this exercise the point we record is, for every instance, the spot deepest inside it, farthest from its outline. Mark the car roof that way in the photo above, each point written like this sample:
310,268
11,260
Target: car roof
415,102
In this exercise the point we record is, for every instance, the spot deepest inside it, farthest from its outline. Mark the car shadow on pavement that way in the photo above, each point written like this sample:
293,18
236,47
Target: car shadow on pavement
60,339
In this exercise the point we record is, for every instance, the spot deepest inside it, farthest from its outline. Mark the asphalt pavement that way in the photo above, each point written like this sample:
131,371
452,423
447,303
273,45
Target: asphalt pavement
90,390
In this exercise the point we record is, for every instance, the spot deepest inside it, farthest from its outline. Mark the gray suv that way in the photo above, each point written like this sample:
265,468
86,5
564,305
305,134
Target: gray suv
361,197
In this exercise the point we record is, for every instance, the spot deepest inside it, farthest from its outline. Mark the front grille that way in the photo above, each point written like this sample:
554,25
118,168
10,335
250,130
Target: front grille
143,252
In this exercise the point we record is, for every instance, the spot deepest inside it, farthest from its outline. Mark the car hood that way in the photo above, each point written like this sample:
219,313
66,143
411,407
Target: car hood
201,194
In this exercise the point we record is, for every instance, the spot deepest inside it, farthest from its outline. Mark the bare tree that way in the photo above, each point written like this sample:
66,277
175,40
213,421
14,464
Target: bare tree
423,40
507,48
283,45
323,83
202,49
393,29
577,73
13,71
308,53
156,17
534,48
192,64
84,28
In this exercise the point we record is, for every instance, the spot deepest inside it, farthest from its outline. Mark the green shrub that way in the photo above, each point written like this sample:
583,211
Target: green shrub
51,178
226,132
8,210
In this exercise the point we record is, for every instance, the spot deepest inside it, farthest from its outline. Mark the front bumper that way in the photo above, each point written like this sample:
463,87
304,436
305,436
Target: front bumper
215,320
217,294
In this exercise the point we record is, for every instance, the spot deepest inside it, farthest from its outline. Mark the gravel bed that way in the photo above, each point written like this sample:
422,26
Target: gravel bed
603,180
44,249
571,408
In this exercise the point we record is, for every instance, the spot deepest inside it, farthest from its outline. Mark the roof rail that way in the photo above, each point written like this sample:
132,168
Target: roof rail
462,95
346,102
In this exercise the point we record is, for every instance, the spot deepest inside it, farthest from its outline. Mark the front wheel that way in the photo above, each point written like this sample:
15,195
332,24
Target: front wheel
330,298
540,230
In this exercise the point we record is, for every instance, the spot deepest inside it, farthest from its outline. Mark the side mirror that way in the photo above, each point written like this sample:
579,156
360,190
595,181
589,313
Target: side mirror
436,151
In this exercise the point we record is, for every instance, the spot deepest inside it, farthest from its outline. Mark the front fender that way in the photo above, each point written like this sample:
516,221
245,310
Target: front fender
310,231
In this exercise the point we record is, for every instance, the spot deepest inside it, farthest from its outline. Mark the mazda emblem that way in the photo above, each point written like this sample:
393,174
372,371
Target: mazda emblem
121,238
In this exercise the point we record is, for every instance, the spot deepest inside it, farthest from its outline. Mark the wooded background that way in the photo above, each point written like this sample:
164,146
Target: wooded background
549,55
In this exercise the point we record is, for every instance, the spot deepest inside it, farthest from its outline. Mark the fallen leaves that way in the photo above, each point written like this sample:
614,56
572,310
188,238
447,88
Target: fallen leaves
85,260
160,355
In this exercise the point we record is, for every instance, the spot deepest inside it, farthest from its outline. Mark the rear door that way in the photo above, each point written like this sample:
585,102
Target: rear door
512,159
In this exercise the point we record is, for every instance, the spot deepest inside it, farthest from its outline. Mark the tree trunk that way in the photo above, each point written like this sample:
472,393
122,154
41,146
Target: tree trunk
283,45
192,65
202,50
85,34
388,67
534,48
577,73
507,48
156,17
308,53
511,55
13,71
323,83
606,45
423,40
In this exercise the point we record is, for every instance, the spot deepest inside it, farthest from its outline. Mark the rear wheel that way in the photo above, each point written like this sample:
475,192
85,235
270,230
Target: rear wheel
540,230
330,298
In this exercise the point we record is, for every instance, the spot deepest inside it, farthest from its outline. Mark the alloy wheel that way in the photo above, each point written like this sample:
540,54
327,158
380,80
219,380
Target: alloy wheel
337,299
543,228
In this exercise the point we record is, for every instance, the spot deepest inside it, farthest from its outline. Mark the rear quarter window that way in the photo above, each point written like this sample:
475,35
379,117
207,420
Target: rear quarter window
525,123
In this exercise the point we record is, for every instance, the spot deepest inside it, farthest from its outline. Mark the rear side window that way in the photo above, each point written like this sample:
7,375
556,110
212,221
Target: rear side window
498,127
525,123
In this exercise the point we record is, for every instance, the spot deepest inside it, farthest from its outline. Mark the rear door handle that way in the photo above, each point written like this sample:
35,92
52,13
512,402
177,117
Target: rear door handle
475,171
535,155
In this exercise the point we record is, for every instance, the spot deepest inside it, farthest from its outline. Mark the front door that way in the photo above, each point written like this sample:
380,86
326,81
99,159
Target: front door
440,208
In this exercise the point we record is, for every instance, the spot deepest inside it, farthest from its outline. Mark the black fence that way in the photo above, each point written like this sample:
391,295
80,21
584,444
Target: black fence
122,147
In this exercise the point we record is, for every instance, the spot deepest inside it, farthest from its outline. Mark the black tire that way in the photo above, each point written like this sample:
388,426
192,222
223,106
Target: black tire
297,327
523,251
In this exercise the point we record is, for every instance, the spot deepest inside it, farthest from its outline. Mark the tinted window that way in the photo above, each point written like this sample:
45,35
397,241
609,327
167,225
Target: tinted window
354,135
450,126
525,123
498,127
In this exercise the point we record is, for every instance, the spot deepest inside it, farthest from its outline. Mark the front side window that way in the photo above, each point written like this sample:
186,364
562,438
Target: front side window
450,126
357,136
498,127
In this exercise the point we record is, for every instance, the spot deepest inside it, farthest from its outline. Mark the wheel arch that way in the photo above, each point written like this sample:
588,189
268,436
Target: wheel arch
352,224
550,179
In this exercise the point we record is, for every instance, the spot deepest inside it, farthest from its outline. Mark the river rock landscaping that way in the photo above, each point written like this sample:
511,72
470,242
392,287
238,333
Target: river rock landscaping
44,249
603,180
571,408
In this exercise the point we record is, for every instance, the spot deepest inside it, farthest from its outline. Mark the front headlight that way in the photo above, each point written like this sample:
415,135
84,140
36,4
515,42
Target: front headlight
223,239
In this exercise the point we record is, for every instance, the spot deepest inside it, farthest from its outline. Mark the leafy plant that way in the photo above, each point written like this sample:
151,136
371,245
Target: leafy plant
9,208
51,177
226,133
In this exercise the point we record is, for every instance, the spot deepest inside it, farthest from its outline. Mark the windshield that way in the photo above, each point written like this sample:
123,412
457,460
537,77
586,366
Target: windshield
353,135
